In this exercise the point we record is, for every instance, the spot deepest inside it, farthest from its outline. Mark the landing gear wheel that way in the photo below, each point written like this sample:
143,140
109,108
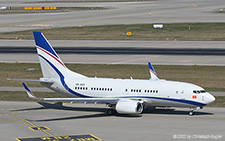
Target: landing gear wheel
191,113
111,112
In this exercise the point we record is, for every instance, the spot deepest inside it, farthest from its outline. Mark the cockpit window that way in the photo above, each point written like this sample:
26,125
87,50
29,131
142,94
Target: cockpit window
199,91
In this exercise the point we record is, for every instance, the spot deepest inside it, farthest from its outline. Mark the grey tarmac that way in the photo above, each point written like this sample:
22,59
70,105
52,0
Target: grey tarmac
141,12
185,58
75,119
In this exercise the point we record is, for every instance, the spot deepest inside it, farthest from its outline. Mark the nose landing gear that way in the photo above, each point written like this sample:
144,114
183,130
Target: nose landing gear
191,112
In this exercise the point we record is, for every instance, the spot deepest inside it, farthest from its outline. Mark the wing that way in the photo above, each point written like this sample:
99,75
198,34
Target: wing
106,100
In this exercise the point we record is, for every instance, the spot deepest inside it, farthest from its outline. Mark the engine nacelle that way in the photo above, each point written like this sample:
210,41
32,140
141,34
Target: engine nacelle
129,107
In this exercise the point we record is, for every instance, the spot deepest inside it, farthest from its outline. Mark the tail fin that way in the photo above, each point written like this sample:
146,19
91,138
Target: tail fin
51,65
152,72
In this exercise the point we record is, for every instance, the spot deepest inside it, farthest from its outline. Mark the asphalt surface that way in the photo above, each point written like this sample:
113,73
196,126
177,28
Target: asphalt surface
160,11
108,52
76,119
207,124
120,52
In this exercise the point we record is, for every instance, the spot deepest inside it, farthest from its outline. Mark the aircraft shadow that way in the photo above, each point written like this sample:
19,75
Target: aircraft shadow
173,112
102,111
59,106
72,117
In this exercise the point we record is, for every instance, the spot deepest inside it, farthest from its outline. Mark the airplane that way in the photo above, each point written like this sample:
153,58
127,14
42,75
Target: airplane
122,96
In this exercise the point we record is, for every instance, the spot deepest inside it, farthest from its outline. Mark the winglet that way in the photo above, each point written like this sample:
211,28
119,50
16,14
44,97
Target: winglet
30,94
152,72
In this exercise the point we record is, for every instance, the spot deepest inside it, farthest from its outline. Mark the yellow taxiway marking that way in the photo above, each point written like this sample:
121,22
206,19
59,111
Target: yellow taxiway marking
27,122
47,133
23,120
39,128
95,137
30,124
9,109
13,122
87,137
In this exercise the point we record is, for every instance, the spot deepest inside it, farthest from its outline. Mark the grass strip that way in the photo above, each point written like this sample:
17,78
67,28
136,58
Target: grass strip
210,77
22,96
219,102
174,31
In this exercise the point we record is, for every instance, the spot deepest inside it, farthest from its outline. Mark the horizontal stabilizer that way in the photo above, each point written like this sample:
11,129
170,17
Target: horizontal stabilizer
31,80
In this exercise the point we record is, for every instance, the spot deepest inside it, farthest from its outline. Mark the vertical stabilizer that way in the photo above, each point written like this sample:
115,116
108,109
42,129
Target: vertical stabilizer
51,65
152,72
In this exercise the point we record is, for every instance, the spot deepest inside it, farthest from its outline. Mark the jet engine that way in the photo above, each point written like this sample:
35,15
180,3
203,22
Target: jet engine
129,107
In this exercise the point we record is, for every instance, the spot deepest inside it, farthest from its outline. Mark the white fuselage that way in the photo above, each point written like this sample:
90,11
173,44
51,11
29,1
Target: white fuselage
153,93
125,96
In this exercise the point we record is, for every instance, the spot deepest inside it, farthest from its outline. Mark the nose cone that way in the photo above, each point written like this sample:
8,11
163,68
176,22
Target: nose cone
209,98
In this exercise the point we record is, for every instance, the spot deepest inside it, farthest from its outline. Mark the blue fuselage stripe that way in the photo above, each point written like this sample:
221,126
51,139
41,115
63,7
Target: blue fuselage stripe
167,99
63,81
84,96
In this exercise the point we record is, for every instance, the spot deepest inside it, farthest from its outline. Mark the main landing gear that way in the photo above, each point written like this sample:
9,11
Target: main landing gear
111,112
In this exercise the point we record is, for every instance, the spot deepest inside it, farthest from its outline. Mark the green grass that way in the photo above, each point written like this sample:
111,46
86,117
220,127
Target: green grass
22,96
178,31
219,102
210,77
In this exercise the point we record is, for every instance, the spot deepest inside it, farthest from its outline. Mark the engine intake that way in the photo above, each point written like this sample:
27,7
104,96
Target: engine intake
129,107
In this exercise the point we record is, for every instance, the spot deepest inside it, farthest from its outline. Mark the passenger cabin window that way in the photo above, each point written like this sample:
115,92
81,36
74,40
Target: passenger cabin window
150,91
